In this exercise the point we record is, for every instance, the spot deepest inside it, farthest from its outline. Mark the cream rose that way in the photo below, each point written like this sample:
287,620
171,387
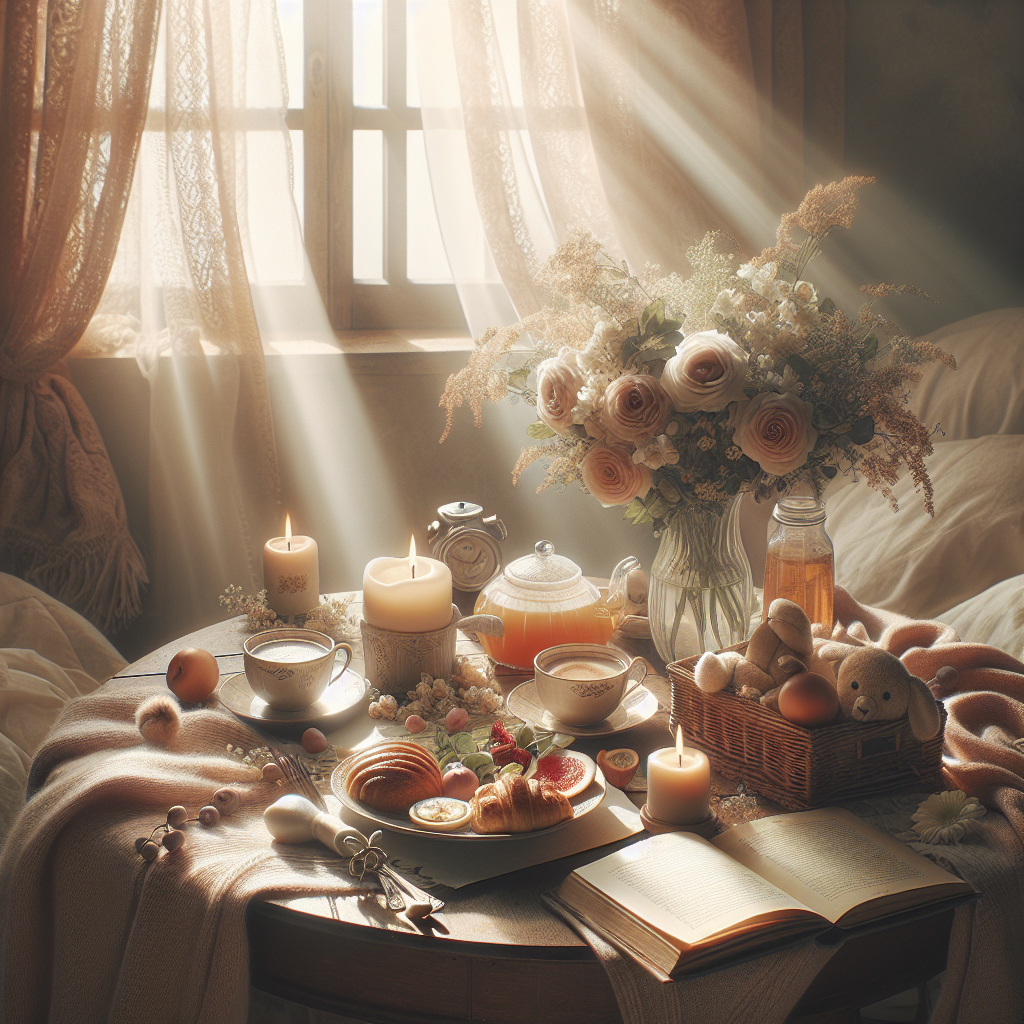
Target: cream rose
706,373
775,431
610,474
636,407
558,384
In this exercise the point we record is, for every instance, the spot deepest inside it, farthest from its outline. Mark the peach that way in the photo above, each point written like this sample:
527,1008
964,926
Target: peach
193,675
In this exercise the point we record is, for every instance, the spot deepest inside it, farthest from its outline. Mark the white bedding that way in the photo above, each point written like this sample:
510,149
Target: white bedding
48,655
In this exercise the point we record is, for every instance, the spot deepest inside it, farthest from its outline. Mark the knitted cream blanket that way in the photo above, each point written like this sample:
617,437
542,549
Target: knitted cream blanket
89,931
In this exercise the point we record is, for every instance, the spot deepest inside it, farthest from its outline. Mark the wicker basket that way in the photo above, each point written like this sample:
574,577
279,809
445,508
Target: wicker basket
797,767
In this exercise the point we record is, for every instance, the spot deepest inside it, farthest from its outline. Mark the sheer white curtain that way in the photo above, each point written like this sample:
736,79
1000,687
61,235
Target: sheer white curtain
179,299
646,123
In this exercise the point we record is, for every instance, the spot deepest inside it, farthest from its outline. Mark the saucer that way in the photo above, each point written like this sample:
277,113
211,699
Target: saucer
638,707
338,703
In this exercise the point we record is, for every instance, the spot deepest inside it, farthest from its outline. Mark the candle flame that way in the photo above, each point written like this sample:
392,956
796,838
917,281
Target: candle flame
412,557
288,530
680,746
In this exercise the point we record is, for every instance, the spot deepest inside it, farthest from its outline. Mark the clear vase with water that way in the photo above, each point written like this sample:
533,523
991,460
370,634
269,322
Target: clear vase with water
700,595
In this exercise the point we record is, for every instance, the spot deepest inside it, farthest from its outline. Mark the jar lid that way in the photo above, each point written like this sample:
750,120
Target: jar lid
799,510
543,570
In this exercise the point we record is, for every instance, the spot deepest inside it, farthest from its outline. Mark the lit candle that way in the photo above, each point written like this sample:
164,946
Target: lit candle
678,784
407,595
291,572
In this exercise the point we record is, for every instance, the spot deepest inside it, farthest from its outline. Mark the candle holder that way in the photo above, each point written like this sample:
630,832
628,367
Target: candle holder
394,662
706,829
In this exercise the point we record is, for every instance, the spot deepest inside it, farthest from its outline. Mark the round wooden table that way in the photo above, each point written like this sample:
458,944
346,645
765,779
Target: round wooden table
506,958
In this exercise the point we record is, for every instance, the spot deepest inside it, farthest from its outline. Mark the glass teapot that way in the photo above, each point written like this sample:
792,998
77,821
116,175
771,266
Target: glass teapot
543,599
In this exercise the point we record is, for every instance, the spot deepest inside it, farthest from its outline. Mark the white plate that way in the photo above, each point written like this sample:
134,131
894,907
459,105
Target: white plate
583,804
637,708
339,702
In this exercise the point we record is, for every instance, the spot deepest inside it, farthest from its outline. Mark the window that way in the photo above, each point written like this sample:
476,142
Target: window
369,223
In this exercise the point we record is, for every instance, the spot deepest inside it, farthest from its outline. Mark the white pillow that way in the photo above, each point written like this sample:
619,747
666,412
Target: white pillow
995,616
985,393
910,563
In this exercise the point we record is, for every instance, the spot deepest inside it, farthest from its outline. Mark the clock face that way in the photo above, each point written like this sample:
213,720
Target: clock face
473,557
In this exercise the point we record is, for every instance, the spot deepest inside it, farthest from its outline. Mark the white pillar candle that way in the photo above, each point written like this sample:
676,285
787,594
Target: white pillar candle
291,572
407,595
678,784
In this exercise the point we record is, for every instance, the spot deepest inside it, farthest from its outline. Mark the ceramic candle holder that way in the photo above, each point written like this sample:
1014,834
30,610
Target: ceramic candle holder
394,662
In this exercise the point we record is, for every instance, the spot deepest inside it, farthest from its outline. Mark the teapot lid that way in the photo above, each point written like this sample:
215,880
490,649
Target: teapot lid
543,570
457,511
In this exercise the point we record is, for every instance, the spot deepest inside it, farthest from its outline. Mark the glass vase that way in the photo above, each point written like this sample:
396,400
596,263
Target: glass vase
700,590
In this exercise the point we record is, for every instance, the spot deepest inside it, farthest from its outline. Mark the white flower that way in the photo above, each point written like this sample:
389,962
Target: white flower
781,290
759,331
947,817
760,278
805,292
658,452
602,350
728,303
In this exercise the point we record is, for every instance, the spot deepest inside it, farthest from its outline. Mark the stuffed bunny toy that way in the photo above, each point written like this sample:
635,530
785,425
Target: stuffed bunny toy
779,648
875,686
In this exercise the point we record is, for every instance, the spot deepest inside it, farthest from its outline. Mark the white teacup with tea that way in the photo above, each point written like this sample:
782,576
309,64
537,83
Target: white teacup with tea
583,684
290,668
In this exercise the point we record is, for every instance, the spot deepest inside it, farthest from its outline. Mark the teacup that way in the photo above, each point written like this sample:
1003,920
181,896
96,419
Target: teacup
582,684
290,668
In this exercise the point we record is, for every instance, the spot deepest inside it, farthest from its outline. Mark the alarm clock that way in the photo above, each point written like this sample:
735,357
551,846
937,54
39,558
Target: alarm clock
467,543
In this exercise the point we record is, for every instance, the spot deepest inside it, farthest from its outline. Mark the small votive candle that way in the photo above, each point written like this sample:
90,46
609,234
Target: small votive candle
678,784
291,573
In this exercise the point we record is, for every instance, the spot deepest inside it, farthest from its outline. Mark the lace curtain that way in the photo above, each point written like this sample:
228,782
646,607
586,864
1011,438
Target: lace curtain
179,300
74,87
647,123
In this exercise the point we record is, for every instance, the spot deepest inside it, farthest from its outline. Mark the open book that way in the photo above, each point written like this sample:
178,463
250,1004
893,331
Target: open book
680,904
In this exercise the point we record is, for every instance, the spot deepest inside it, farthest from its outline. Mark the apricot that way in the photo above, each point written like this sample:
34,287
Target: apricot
193,675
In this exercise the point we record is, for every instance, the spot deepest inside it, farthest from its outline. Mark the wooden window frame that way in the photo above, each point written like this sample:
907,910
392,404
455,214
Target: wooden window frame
327,120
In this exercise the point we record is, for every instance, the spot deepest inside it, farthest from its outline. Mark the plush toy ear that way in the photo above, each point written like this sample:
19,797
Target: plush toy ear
833,650
922,711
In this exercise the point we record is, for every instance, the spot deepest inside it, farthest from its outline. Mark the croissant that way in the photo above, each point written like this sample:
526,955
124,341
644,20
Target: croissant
393,776
515,804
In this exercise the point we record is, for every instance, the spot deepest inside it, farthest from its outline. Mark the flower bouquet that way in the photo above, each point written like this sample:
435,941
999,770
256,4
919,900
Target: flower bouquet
672,396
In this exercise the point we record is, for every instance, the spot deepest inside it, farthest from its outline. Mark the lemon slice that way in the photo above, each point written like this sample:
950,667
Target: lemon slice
440,813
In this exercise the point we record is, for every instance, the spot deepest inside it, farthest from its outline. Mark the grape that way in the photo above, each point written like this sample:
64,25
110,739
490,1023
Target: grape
272,772
149,850
456,719
208,815
177,816
173,840
140,843
226,800
414,723
314,741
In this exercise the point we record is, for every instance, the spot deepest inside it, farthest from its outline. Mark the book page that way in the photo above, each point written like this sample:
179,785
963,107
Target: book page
831,860
682,885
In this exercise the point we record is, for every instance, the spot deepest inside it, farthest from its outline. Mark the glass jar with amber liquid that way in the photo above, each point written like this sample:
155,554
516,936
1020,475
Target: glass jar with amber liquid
800,564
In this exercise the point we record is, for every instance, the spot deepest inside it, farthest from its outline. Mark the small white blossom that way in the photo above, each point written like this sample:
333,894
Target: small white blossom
805,292
728,303
781,290
603,349
759,332
658,452
760,278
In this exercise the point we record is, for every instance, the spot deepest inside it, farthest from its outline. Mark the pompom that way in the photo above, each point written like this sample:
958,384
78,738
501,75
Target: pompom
158,718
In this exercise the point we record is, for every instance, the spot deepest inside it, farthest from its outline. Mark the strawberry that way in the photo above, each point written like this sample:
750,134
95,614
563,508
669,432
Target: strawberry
499,734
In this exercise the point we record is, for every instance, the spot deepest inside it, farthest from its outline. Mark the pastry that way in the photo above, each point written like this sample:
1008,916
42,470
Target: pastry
393,776
515,804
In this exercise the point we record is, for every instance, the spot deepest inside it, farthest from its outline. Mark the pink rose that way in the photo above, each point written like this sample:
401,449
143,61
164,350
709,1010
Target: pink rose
636,407
557,386
775,431
706,373
610,474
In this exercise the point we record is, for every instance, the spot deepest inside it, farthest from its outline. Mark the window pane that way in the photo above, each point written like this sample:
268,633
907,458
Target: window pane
273,233
368,205
425,252
289,14
368,53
